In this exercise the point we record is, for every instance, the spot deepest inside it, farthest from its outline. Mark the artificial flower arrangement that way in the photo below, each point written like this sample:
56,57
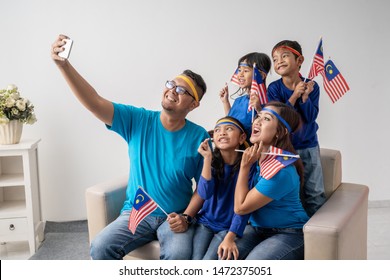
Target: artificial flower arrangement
15,107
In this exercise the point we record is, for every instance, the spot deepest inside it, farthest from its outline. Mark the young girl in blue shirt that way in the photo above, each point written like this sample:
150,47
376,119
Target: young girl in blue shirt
239,109
217,224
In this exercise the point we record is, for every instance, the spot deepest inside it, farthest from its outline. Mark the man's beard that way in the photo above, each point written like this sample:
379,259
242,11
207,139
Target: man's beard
165,107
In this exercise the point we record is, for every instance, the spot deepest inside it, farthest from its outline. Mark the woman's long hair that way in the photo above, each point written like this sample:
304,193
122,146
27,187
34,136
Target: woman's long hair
283,139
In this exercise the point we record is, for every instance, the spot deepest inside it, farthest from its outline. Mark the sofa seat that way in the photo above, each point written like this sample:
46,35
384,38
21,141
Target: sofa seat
338,230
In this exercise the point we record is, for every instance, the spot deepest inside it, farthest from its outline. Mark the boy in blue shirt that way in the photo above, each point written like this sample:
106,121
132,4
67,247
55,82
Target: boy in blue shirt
303,96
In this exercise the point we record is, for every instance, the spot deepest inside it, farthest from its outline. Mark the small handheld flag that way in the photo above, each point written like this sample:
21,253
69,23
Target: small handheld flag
234,78
272,163
143,205
258,87
317,65
334,83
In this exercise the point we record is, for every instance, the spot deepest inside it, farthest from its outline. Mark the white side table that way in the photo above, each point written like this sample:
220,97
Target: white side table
20,207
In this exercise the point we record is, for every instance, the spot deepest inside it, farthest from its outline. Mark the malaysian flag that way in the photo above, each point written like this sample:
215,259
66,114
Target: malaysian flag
275,160
318,62
334,83
234,78
258,87
143,205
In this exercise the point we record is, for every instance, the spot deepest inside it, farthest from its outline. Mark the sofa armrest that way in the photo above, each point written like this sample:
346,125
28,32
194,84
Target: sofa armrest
104,202
338,230
331,169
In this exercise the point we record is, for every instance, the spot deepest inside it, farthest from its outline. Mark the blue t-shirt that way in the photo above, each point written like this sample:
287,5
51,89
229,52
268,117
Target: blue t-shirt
306,137
161,161
285,210
239,111
217,212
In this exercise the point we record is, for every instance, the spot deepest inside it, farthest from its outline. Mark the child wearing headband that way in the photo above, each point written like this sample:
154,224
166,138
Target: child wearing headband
243,98
277,214
218,226
302,95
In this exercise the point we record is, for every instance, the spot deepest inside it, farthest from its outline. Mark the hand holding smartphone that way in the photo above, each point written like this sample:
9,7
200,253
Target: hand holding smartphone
67,47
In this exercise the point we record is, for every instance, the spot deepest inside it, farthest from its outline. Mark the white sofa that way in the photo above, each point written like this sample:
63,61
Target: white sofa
337,231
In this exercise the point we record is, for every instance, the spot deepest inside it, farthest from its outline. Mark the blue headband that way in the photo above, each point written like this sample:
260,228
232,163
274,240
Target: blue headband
251,66
283,121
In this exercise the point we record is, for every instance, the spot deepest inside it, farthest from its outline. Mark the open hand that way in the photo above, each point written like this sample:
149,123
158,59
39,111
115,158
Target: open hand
227,250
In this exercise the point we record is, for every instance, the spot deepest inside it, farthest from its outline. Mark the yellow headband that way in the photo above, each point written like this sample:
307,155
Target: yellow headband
191,84
230,121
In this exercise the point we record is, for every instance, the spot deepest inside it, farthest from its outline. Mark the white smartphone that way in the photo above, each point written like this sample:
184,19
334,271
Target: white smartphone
68,46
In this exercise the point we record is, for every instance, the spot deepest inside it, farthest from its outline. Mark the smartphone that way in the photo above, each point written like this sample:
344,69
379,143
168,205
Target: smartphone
68,46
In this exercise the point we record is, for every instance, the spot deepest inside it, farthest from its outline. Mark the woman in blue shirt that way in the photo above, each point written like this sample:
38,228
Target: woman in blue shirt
277,219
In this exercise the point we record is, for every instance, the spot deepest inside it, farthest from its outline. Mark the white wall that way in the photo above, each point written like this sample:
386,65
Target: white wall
128,49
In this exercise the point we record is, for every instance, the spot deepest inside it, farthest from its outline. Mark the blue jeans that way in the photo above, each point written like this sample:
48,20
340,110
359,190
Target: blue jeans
116,240
314,191
271,244
206,243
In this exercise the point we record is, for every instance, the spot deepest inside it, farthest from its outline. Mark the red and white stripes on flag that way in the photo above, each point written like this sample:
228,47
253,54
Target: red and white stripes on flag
334,83
272,164
258,87
318,62
143,205
234,78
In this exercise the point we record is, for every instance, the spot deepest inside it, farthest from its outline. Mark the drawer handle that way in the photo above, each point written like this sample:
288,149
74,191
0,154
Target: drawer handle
11,227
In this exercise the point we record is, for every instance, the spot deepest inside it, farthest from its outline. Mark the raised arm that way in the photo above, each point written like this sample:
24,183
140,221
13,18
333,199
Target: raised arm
245,200
102,108
224,96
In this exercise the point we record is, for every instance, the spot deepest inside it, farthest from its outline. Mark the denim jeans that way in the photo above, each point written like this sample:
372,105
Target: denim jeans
271,244
206,243
314,192
116,240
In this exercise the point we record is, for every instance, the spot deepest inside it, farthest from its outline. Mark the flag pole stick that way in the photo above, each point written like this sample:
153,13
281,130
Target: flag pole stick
153,200
282,155
312,60
273,154
253,109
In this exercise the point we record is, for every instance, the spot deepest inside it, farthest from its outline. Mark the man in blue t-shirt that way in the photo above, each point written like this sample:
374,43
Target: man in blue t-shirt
164,160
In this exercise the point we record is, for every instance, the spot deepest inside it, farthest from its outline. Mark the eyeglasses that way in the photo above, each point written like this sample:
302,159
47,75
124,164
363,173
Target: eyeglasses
178,89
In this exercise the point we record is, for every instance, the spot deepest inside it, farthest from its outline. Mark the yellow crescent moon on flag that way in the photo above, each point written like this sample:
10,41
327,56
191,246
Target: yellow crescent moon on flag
329,69
139,198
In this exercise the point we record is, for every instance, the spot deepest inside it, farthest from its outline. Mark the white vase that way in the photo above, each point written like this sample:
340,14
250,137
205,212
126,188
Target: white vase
11,132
